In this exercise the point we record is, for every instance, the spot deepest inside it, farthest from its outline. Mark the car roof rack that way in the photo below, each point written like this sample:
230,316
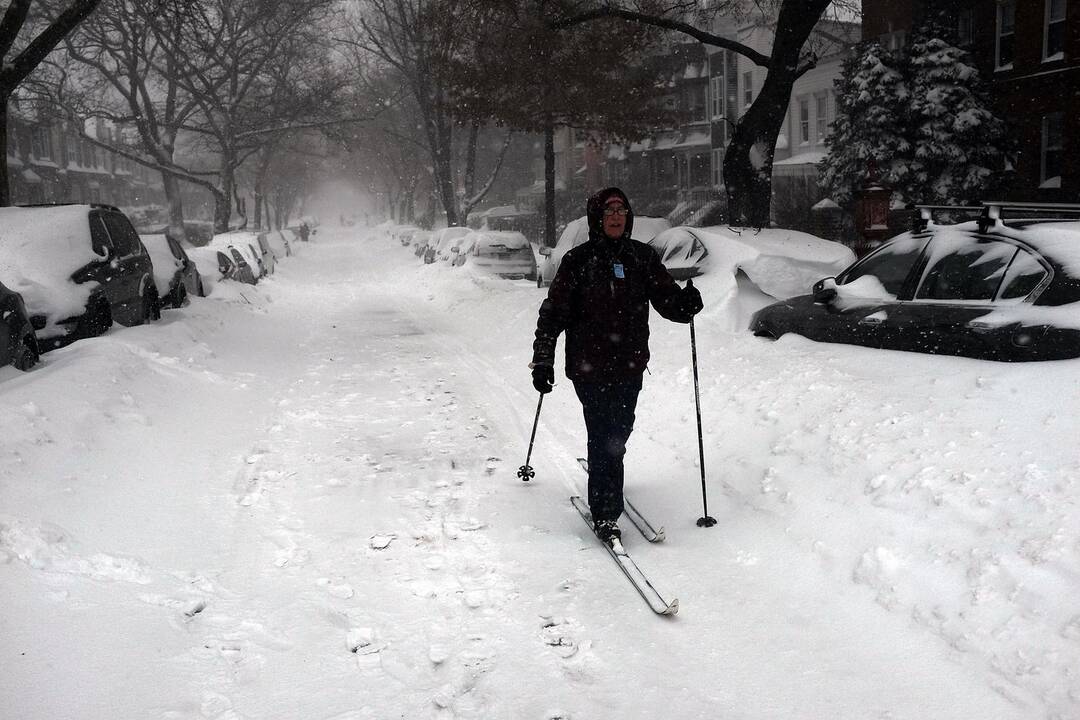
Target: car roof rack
995,210
925,213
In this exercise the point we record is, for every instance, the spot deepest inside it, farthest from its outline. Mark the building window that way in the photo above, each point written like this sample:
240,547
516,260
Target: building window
1052,136
804,121
716,89
1054,35
731,70
696,101
1006,32
72,150
41,143
965,26
717,167
747,90
821,118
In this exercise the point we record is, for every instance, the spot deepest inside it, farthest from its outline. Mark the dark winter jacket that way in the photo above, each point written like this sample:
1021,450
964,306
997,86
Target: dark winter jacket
605,317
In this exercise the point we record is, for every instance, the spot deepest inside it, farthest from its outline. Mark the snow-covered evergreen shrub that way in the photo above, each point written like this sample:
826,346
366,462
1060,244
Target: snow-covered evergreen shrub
921,115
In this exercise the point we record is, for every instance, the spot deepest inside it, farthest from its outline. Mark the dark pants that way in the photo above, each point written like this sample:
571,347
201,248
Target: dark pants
609,420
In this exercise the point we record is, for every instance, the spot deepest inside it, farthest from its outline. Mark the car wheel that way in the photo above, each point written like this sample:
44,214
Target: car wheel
151,306
98,319
26,356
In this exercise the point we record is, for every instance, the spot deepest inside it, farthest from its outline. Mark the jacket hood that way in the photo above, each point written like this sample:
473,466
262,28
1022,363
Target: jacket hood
594,211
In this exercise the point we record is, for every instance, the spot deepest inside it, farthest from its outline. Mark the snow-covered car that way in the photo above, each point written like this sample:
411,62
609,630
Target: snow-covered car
175,274
18,342
403,234
442,241
240,245
78,268
421,239
269,259
214,266
993,289
281,242
503,253
780,263
576,233
682,251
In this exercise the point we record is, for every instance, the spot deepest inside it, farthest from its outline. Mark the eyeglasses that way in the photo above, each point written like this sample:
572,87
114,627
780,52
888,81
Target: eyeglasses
617,210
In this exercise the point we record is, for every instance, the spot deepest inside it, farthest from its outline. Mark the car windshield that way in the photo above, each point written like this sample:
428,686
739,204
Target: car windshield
888,267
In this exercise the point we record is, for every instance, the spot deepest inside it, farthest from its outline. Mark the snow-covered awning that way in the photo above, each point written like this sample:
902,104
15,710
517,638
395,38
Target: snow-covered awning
798,165
30,176
694,139
666,141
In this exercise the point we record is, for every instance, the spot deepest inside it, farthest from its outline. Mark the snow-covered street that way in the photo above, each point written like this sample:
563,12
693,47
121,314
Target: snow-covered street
298,500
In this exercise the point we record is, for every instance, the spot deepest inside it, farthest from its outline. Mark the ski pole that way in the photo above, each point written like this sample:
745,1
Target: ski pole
525,472
705,520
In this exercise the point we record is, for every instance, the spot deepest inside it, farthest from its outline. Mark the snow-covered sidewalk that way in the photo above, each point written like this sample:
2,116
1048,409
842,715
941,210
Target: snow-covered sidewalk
299,501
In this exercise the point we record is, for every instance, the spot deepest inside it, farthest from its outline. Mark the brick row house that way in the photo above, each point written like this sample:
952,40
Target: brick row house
1029,52
49,162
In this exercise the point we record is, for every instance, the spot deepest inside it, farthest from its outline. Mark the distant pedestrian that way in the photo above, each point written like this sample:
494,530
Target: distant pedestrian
304,231
600,298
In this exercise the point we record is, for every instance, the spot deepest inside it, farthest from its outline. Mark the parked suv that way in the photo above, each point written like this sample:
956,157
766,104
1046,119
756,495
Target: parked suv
78,268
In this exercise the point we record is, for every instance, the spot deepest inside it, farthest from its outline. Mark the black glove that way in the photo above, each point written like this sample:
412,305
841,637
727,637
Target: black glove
543,378
691,299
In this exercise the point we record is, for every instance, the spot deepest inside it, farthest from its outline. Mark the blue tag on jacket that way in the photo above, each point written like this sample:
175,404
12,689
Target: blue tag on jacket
619,272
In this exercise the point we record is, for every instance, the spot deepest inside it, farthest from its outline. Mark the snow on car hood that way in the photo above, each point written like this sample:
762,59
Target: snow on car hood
39,250
782,263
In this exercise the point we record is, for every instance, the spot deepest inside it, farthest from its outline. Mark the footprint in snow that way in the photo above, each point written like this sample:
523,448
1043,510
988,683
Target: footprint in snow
342,590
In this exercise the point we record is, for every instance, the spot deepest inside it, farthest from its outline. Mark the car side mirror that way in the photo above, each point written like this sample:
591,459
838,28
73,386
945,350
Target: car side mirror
825,290
545,251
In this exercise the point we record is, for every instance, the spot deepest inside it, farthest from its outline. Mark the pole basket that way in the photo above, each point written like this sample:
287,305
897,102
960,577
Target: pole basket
706,522
526,473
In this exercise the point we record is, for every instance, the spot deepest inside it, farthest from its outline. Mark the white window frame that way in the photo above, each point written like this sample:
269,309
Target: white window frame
821,117
716,95
1046,148
748,89
1000,34
802,106
1048,21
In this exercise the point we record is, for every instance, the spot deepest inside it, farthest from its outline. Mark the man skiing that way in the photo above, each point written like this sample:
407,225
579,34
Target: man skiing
600,297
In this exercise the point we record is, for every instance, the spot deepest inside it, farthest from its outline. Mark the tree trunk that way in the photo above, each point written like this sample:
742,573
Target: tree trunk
5,188
223,197
175,202
470,166
749,158
549,183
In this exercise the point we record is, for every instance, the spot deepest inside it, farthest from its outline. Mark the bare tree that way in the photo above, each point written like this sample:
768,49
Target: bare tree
230,57
416,41
117,68
15,69
749,158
